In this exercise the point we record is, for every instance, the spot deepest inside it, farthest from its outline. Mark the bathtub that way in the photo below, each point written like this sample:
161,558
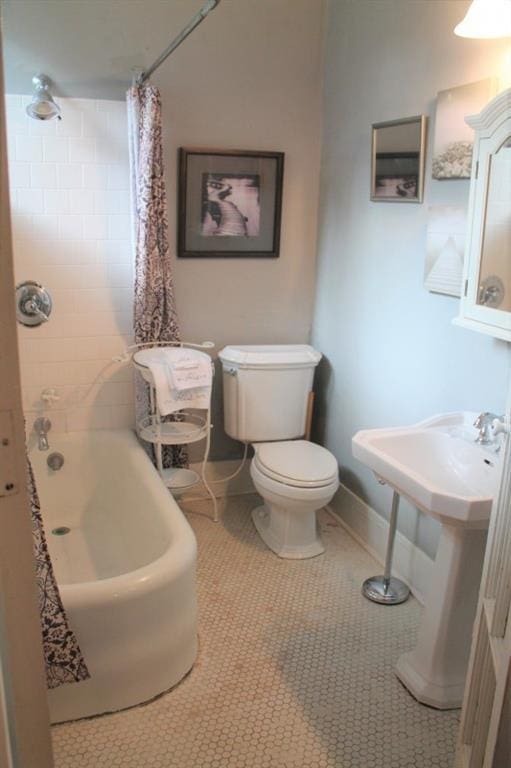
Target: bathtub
125,569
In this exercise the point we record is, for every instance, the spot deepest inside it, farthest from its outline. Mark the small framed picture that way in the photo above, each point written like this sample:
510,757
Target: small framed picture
397,160
229,203
454,138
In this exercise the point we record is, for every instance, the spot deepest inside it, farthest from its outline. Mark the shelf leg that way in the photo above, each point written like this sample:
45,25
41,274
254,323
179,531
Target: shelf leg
204,464
159,460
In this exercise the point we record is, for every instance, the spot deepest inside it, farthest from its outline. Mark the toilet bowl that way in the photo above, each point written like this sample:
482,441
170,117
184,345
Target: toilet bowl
295,478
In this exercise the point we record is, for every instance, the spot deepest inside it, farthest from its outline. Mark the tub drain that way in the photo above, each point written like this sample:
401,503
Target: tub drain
61,530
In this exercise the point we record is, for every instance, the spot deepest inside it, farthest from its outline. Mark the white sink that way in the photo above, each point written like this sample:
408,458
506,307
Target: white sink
437,465
440,468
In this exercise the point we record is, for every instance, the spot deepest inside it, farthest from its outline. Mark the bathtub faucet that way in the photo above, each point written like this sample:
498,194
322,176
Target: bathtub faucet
42,426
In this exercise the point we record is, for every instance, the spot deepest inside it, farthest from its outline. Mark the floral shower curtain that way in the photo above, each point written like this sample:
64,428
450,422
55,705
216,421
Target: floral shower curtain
155,316
62,655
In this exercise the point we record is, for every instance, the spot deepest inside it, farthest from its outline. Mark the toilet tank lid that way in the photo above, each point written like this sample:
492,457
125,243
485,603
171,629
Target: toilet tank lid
270,355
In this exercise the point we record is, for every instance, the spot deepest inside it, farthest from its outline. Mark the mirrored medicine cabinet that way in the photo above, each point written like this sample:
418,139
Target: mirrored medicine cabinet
486,296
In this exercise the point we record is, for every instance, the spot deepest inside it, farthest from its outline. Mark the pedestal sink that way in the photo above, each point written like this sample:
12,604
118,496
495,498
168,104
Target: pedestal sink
438,466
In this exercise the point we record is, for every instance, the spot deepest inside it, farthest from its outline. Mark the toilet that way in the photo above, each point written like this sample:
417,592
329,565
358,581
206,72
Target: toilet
266,394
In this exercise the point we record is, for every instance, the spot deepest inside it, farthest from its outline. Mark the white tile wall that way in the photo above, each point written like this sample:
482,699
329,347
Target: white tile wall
71,228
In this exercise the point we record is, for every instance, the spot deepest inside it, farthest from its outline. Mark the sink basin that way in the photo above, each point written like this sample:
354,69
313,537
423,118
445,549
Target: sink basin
437,465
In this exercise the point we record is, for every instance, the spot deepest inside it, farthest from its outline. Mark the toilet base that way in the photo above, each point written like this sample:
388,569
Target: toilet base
266,528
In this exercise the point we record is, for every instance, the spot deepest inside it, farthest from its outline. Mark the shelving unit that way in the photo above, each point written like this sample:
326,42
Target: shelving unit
186,426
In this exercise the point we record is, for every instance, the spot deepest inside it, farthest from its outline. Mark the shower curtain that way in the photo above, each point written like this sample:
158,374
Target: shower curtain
62,655
155,316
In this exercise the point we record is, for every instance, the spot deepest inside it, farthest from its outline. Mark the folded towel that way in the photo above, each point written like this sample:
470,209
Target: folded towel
187,373
181,358
192,389
182,365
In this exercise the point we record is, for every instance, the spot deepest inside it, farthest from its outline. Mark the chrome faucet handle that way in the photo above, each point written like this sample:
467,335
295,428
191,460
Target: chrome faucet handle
484,423
42,425
30,308
50,396
484,418
499,425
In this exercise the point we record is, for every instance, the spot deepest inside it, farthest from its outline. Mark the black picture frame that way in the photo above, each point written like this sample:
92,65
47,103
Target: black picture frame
229,203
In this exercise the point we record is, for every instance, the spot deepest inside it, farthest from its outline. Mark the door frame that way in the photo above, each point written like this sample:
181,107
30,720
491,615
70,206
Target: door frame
25,740
482,735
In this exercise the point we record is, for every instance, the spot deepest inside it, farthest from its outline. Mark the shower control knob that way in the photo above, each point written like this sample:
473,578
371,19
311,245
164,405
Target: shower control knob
33,303
31,308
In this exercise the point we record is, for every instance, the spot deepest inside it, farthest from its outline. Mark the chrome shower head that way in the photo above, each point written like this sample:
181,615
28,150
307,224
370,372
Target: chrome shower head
42,106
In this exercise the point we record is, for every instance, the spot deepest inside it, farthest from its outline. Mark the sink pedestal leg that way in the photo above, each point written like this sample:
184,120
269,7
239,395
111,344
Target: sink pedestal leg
434,672
386,589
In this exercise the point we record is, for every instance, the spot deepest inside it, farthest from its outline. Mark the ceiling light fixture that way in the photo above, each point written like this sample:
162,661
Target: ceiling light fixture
486,19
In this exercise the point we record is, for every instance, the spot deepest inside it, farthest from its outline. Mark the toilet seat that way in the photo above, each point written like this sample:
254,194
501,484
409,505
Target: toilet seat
296,463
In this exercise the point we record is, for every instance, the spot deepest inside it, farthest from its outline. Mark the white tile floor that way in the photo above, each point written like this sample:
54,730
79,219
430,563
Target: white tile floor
295,670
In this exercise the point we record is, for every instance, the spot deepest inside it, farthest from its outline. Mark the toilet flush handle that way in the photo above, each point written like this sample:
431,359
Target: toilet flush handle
232,371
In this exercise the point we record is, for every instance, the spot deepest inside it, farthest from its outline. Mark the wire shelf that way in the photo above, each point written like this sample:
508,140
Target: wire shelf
187,426
179,480
190,429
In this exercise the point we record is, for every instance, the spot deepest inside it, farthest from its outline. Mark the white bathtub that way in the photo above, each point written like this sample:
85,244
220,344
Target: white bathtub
126,570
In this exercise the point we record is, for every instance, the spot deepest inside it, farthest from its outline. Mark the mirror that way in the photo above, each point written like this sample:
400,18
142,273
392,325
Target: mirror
495,268
397,167
486,298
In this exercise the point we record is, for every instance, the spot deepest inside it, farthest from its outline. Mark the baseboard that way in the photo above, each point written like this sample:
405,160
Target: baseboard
367,527
216,470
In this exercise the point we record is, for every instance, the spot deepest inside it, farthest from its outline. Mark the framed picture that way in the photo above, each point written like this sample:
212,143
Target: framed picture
229,203
454,139
397,167
445,246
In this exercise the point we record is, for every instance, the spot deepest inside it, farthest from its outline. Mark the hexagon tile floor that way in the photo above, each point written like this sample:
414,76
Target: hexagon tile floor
295,670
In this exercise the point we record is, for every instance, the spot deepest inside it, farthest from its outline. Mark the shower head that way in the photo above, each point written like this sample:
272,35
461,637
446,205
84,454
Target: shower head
42,106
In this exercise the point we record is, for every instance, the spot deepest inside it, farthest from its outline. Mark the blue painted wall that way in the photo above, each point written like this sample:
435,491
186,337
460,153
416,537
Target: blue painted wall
392,355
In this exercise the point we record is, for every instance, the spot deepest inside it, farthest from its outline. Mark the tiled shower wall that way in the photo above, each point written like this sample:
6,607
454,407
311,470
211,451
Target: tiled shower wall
71,230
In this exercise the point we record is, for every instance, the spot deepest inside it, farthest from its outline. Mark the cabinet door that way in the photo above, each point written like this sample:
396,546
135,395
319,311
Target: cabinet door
486,303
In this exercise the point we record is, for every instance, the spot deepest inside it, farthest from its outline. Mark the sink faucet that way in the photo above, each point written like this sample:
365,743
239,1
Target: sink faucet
484,423
42,426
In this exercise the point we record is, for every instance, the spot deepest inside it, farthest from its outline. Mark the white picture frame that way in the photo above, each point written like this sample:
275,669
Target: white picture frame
445,246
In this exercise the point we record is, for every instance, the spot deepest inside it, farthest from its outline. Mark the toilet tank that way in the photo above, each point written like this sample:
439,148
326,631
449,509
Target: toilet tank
266,390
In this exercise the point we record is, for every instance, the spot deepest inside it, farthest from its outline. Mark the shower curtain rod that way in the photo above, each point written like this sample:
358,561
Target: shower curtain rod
200,16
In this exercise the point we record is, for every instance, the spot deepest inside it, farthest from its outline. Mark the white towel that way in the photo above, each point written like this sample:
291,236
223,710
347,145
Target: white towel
187,371
169,398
